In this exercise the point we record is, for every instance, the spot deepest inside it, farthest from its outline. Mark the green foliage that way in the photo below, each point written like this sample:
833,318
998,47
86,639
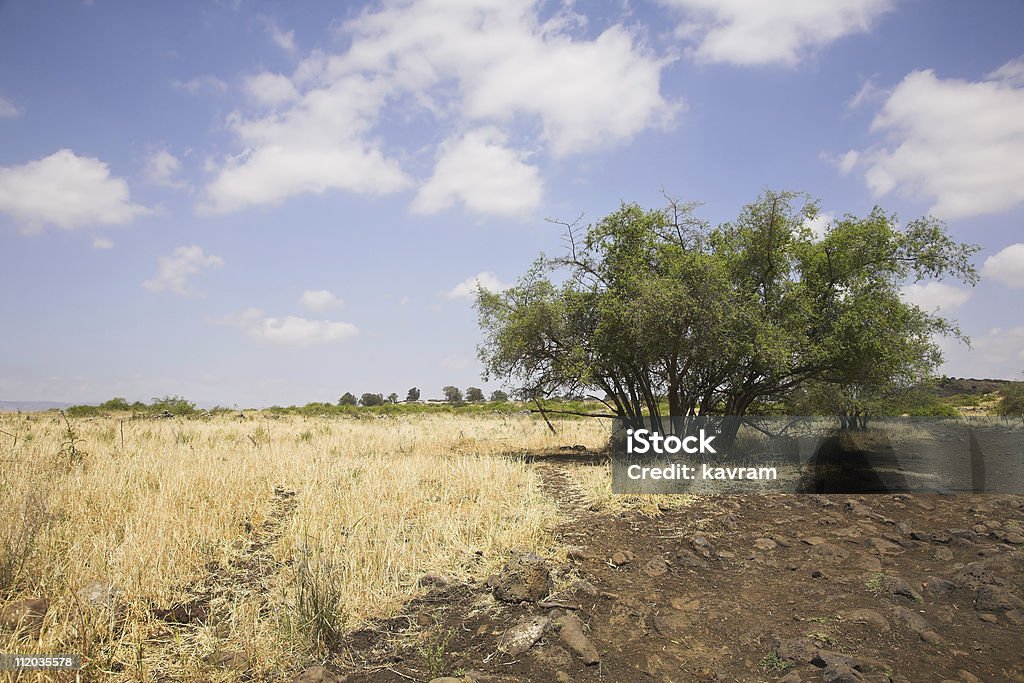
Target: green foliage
347,399
413,395
658,311
474,395
370,400
499,396
1012,402
452,394
392,397
176,405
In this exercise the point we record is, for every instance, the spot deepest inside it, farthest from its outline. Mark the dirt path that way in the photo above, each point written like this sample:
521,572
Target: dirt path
755,588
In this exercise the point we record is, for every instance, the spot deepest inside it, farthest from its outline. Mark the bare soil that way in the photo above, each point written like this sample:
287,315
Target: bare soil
743,588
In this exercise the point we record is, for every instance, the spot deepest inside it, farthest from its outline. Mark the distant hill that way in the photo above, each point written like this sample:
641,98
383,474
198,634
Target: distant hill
953,386
30,406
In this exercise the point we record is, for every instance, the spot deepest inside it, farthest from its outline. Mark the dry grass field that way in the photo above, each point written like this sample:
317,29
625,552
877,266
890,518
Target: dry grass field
176,549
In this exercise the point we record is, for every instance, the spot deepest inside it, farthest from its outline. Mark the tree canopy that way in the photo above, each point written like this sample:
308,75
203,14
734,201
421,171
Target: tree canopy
653,307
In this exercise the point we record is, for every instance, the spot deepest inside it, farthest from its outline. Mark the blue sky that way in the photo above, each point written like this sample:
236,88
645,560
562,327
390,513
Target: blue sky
262,203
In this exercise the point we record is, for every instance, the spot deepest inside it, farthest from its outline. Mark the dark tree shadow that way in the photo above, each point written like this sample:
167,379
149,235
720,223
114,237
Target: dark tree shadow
853,462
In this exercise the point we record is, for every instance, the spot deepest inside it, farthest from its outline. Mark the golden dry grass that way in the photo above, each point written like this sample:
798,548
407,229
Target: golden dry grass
187,508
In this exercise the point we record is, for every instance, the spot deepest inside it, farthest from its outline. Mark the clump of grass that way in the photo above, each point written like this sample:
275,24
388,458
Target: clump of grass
773,663
434,652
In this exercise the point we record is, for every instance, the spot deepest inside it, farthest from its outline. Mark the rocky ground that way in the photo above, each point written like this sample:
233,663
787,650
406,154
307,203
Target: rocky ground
745,588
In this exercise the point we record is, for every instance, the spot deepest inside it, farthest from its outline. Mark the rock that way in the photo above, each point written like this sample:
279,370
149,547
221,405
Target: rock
897,585
553,657
791,677
585,588
562,677
1014,616
830,553
580,554
829,659
25,615
840,674
765,544
522,579
655,567
318,674
522,636
813,540
1014,538
973,576
996,599
942,537
988,617
622,558
937,586
967,677
931,637
797,650
433,579
867,616
233,659
912,620
688,558
857,507
943,554
447,679
883,547
571,632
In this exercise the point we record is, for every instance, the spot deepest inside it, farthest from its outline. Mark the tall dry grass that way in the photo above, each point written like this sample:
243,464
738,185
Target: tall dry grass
291,532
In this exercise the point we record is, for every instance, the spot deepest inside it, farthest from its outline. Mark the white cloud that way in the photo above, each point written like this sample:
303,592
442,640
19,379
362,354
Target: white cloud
161,169
1012,72
957,142
271,89
289,331
319,300
456,65
314,146
868,92
848,161
67,191
755,32
932,296
175,270
998,353
467,288
102,243
200,84
819,224
482,172
1007,266
8,110
283,39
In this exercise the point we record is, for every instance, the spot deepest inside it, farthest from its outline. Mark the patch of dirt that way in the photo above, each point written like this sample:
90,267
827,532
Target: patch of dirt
743,588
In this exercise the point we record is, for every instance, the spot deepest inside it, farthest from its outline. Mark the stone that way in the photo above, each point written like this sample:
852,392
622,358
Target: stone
570,630
931,637
937,586
562,677
813,540
585,588
620,559
996,599
318,674
867,616
521,637
433,579
655,567
765,544
897,585
797,650
912,620
943,554
988,617
883,547
840,674
522,579
25,616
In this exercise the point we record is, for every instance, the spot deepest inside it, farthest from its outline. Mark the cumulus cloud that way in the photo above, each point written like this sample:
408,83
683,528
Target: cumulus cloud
463,65
483,173
102,243
319,300
932,296
271,89
467,288
819,224
8,110
162,167
754,32
289,331
67,191
175,270
1007,266
959,143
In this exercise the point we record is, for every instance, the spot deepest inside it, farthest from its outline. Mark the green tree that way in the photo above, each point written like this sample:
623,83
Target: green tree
369,400
474,394
347,399
413,395
1012,402
392,397
656,306
499,396
452,394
